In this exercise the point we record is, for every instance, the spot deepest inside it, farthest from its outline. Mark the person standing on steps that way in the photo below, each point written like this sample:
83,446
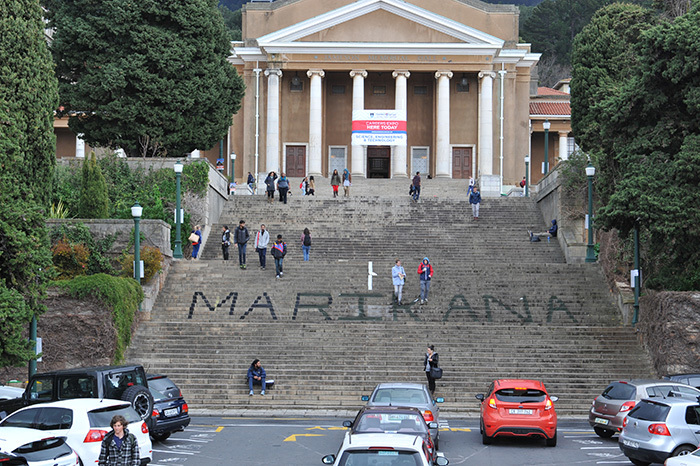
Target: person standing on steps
306,243
430,361
475,201
196,240
225,241
256,376
347,182
119,447
262,238
270,186
279,250
241,237
425,274
312,187
398,278
416,187
335,182
283,187
471,186
251,183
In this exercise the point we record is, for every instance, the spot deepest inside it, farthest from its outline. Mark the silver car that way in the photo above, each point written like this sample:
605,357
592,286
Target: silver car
610,408
658,429
413,395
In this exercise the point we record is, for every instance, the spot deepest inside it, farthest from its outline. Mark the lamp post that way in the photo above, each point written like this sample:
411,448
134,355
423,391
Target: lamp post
527,176
637,275
136,211
177,252
233,166
546,125
32,337
590,253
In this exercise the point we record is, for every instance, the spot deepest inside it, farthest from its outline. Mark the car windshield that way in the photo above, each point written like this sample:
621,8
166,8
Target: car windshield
44,450
117,382
619,391
409,423
380,458
157,396
646,411
165,386
398,396
102,417
41,418
520,395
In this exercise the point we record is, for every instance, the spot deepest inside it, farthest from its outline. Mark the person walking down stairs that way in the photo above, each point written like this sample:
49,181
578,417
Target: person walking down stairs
225,241
431,360
475,201
311,187
283,187
270,186
425,274
241,237
347,182
335,182
306,243
398,277
196,240
279,250
416,187
262,238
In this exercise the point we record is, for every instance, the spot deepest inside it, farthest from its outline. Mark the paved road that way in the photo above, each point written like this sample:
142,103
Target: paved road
214,441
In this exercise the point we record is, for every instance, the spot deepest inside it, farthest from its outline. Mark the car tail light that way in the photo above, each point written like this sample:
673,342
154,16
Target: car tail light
95,435
492,403
144,428
155,413
624,422
659,429
185,408
548,405
627,406
428,416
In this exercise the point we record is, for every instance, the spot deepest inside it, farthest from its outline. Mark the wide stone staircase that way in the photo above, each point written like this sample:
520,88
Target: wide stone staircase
499,306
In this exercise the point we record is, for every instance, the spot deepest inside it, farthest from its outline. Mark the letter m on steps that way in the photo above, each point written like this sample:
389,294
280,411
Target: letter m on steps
233,296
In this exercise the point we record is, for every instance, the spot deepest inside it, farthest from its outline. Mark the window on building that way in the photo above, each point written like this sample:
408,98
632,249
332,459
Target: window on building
378,89
571,146
296,84
420,90
337,89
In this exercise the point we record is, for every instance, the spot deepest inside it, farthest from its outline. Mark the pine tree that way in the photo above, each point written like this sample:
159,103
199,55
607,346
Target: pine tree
94,199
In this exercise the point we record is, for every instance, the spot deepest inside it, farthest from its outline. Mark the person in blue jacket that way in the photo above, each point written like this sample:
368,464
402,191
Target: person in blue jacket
475,201
552,232
256,376
398,277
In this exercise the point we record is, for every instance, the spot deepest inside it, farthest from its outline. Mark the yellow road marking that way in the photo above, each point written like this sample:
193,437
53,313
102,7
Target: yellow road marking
315,428
455,429
220,428
293,438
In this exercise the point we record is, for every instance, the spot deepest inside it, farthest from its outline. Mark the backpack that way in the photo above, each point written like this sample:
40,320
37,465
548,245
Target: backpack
307,240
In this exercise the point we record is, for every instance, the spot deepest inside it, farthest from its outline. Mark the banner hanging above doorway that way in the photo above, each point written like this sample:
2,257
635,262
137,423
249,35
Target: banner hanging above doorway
379,127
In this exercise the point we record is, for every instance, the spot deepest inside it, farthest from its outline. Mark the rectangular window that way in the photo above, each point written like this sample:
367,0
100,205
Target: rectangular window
337,89
378,89
420,90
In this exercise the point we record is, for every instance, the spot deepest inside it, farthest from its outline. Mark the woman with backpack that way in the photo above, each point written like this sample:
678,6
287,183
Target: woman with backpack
306,243
283,187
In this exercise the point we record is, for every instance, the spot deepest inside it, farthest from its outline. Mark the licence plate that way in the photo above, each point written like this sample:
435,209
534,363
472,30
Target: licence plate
630,443
520,411
170,412
599,420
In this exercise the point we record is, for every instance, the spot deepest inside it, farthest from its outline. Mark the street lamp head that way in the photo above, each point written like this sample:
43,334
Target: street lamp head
233,156
527,159
136,210
178,167
546,125
590,170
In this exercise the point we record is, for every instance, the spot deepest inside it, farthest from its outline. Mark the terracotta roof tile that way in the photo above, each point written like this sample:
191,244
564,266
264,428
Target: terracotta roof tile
550,108
549,91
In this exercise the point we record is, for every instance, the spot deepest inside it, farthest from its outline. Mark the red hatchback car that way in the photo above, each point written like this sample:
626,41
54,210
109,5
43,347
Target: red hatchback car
518,408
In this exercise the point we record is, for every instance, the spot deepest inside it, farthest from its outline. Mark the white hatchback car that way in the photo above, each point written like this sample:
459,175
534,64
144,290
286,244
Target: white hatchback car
35,447
84,422
383,450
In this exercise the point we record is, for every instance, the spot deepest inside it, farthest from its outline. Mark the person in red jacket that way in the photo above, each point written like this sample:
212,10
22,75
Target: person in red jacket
425,273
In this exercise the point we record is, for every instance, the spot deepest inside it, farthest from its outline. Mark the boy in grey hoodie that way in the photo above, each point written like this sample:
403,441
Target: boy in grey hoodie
425,273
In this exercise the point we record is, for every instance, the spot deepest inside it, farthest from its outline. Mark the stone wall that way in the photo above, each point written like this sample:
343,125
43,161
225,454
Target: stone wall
669,323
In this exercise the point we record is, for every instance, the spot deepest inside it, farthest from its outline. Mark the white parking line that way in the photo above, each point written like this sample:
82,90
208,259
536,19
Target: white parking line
174,451
600,448
188,440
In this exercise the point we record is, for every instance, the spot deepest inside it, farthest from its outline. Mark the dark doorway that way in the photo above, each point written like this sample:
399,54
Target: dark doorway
296,161
378,162
461,162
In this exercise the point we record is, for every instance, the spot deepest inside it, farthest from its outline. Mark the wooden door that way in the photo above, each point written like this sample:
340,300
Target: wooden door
461,162
378,162
296,161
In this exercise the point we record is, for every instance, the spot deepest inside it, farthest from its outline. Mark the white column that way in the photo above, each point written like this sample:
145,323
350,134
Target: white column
358,103
486,123
442,151
563,145
315,122
79,146
398,165
272,142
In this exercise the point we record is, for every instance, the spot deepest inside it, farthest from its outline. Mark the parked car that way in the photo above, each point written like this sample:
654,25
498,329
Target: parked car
12,460
518,408
394,449
659,429
36,448
689,379
691,459
84,423
609,409
10,393
170,411
396,420
413,395
126,383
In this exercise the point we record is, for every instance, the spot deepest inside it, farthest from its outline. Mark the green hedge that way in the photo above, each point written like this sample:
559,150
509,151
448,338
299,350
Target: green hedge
121,295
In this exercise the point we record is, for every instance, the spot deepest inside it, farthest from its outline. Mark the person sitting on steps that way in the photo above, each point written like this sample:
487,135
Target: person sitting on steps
551,233
256,376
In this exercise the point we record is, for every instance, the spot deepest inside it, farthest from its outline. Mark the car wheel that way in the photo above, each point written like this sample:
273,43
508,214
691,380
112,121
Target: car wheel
141,400
638,462
683,450
551,442
603,433
161,437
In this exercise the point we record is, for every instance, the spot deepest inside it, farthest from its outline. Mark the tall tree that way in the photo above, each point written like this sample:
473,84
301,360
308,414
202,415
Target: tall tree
94,200
151,77
28,97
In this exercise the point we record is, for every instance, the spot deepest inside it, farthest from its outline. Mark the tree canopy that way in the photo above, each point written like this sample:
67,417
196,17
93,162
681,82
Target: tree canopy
150,77
28,98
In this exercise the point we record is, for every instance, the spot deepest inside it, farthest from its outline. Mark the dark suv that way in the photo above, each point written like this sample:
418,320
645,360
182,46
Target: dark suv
127,383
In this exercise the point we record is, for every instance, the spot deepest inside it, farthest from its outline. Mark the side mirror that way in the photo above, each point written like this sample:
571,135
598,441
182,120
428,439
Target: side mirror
365,398
442,461
432,425
440,400
328,459
554,399
347,423
480,397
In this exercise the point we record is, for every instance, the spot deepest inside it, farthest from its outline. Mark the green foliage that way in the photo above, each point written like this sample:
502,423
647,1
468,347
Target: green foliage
232,20
152,263
94,202
28,96
70,259
58,210
78,233
574,194
66,188
121,295
150,77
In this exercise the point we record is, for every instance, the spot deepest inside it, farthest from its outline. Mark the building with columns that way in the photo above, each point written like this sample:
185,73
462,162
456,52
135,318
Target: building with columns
454,66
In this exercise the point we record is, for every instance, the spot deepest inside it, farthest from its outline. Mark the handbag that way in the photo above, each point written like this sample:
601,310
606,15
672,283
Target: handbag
436,372
194,238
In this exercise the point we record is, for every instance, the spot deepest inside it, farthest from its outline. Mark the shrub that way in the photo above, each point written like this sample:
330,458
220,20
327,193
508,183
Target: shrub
152,263
94,202
79,233
70,259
